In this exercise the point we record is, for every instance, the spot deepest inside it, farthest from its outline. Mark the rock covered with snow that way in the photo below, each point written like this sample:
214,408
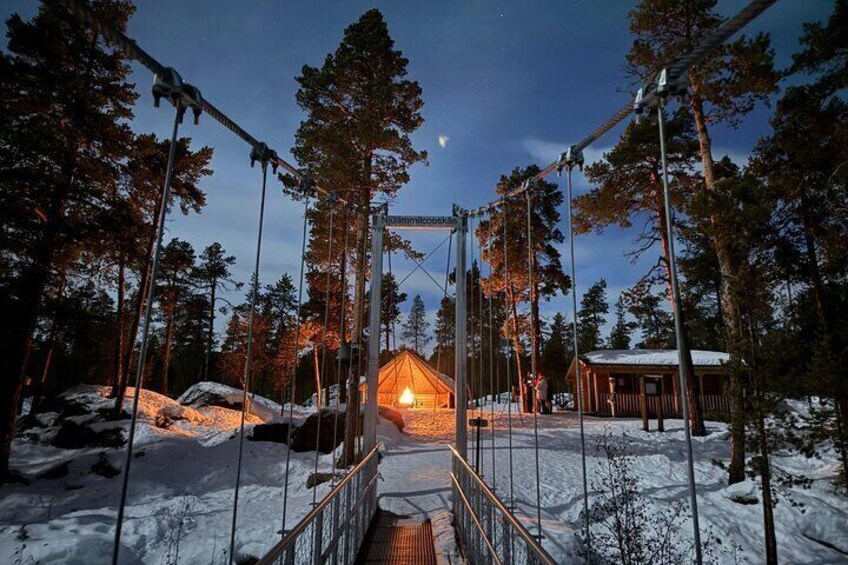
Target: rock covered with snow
208,393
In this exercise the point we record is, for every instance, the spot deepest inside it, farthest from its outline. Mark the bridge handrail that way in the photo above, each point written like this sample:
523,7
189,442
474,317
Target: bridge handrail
315,518
463,472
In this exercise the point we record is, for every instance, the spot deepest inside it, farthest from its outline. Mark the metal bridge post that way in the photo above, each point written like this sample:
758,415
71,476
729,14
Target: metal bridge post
370,428
460,387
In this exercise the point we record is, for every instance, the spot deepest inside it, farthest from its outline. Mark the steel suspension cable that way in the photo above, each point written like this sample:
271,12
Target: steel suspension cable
145,330
444,297
394,333
577,368
342,322
320,384
508,296
470,334
480,380
248,363
531,254
678,327
491,355
293,383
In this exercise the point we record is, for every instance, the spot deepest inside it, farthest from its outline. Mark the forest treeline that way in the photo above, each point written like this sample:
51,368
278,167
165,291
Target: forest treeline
762,246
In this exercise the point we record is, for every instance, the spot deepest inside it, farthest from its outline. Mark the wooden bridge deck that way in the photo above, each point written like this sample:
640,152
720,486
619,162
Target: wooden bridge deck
393,539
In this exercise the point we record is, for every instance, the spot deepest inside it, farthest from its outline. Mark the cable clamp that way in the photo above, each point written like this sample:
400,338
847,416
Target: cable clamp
646,104
182,95
570,159
669,84
306,184
264,154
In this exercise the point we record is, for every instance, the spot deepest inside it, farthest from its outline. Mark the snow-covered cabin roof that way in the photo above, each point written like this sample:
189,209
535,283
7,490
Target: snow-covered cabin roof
653,357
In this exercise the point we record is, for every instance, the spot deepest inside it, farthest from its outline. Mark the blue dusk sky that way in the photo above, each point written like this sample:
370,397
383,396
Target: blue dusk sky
505,84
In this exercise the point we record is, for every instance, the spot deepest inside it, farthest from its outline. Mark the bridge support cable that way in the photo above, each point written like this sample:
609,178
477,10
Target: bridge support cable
531,265
680,338
260,153
461,361
480,380
472,366
508,298
319,386
344,350
162,213
492,358
569,160
444,297
391,297
293,382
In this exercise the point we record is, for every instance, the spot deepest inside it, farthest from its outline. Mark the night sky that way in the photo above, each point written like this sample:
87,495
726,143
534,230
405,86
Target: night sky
504,85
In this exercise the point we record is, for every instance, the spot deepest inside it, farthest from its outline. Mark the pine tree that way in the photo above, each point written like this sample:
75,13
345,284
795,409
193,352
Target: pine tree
619,337
415,327
557,350
656,324
445,333
138,203
507,253
591,316
65,99
175,267
391,301
213,273
361,110
723,88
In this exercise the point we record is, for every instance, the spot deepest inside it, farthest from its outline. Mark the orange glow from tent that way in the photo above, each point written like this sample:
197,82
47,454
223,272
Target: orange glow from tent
406,398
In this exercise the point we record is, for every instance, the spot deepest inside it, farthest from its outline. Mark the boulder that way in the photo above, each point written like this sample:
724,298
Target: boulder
72,435
303,437
316,479
277,432
392,416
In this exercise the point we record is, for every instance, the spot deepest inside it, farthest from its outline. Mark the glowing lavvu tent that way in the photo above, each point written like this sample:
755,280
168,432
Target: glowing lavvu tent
407,380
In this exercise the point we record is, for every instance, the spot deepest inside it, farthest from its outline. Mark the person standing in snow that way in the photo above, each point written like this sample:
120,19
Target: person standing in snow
542,394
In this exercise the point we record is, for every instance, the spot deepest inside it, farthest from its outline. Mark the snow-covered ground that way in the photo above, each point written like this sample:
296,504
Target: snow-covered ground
182,485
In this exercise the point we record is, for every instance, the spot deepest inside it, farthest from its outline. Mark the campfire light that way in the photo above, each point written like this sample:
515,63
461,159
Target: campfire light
406,398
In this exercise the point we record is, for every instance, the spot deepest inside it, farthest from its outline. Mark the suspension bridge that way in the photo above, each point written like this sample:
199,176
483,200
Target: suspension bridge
346,524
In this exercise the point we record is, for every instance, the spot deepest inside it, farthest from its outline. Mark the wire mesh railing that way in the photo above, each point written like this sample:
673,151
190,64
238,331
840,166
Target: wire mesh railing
333,531
487,530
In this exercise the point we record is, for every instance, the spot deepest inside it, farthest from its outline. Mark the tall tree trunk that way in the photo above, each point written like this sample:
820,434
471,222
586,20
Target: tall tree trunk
118,355
352,419
25,311
517,347
211,336
316,375
840,394
41,385
129,347
536,324
728,300
693,386
166,354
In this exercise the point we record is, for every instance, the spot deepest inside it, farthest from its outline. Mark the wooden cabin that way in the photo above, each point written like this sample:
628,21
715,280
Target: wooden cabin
407,380
612,381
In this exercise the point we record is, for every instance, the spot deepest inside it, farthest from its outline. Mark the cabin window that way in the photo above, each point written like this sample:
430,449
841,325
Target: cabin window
624,382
